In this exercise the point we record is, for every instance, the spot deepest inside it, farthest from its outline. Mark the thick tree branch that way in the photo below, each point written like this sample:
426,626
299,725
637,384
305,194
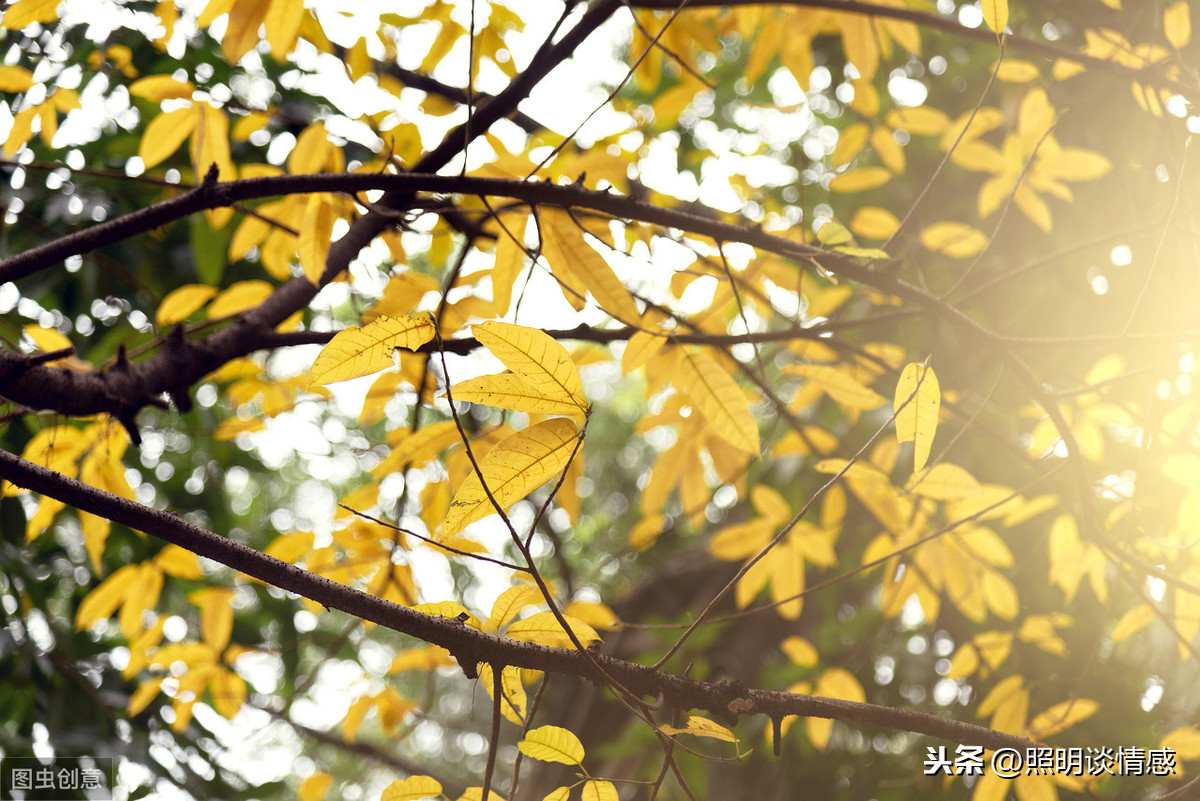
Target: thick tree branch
727,700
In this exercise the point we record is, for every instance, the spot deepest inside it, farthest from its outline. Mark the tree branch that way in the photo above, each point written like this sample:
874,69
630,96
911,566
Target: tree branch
727,700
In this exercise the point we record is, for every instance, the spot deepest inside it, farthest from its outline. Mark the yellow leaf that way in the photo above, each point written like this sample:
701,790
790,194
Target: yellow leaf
512,704
101,602
558,794
142,595
916,420
595,614
157,88
418,448
179,304
599,790
1185,742
839,385
178,562
995,14
873,222
964,663
509,604
239,297
241,32
543,628
510,260
861,180
228,691
1177,23
283,26
515,467
216,615
143,695
424,658
581,267
355,351
646,532
210,143
451,609
15,79
944,482
412,789
639,349
509,391
552,744
316,234
26,12
537,358
702,727
920,120
850,143
290,548
833,683
956,240
476,794
719,399
316,786
1132,621
165,134
1016,70
1061,716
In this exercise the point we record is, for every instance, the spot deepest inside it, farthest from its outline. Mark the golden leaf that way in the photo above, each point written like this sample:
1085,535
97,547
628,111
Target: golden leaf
552,744
839,385
239,297
916,420
956,240
701,727
165,134
509,391
543,628
355,351
241,32
515,467
599,790
995,14
179,304
157,88
537,358
719,399
412,789
861,180
581,268
1177,23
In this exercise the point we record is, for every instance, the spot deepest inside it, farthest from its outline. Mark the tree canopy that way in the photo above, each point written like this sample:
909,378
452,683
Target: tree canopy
606,400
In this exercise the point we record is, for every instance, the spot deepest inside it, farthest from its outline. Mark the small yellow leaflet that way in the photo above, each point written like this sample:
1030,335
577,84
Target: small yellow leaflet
412,788
315,787
179,304
995,14
580,267
510,391
702,727
599,790
552,744
917,419
515,467
537,358
719,399
512,704
543,628
358,351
